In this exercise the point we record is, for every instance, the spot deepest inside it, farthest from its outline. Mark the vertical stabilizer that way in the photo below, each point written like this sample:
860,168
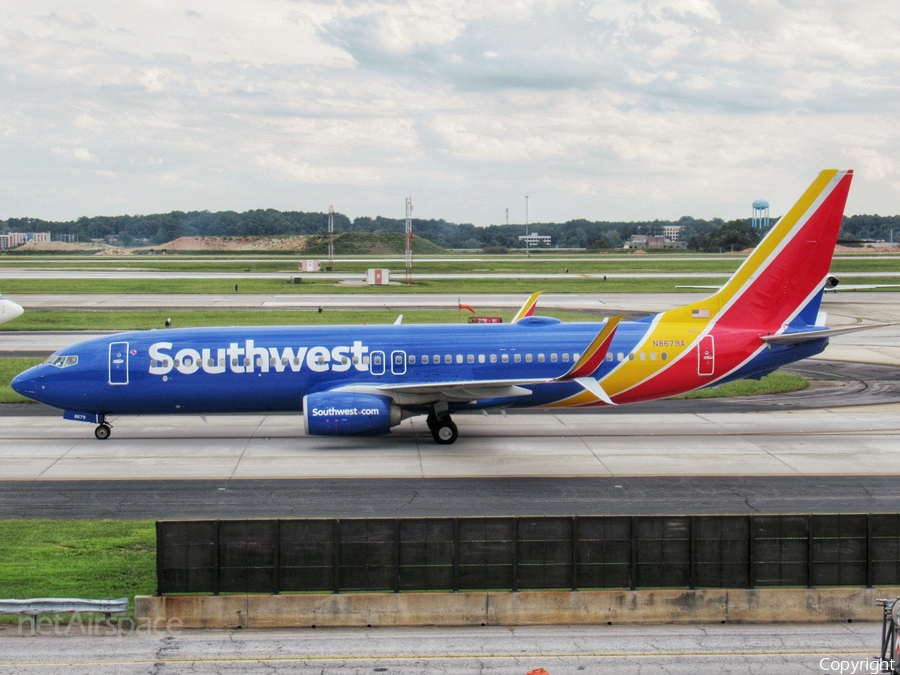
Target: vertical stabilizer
783,278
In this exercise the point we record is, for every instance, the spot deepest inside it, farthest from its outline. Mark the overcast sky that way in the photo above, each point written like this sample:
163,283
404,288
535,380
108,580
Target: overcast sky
597,109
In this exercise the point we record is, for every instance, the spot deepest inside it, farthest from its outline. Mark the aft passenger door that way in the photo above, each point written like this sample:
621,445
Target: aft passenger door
118,363
706,356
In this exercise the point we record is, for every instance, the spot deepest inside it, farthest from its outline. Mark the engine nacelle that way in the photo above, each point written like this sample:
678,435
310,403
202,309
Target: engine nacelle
348,414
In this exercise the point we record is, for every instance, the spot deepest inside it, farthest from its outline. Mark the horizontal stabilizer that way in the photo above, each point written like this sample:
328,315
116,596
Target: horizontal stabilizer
594,387
810,335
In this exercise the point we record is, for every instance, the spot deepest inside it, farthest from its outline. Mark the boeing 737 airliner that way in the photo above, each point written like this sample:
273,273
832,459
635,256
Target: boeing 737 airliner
367,379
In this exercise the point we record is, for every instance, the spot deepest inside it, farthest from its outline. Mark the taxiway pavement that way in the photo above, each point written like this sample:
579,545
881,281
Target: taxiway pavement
678,650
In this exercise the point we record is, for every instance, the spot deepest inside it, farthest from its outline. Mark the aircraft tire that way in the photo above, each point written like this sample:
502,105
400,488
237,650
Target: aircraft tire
431,420
445,431
102,432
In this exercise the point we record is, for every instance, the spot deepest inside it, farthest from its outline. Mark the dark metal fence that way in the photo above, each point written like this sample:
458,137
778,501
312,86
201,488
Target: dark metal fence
454,554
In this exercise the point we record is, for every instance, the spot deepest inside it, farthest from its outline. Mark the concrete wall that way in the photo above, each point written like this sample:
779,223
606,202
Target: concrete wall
771,605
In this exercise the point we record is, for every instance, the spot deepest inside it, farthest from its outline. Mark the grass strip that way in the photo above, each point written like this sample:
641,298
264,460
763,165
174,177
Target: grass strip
775,383
330,285
93,559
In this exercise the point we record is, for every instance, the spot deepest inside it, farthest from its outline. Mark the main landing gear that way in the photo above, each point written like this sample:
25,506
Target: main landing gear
443,429
103,431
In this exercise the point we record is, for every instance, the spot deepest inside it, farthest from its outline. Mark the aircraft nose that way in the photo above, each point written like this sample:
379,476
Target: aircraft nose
23,384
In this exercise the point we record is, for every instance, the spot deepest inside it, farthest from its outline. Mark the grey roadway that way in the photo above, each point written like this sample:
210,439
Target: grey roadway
564,650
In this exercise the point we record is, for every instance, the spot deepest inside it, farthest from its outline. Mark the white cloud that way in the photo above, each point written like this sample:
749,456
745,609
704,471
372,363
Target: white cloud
601,109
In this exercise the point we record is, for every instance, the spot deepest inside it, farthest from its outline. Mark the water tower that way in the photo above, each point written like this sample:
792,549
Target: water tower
760,218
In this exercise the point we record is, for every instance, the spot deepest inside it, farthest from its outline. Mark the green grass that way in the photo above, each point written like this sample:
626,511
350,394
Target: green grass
776,383
9,368
77,559
322,284
45,319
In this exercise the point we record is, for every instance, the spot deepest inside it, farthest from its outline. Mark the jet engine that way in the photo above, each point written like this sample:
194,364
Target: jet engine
347,414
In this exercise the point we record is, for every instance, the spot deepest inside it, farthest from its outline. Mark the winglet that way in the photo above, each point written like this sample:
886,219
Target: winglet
595,353
528,308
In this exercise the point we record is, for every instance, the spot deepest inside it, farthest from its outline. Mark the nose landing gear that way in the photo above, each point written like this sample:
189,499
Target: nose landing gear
103,431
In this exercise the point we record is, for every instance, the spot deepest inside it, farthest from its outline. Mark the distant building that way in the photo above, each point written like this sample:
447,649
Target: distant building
535,239
649,241
13,239
672,232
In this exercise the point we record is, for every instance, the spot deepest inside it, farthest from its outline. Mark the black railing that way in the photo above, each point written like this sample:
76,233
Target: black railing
513,554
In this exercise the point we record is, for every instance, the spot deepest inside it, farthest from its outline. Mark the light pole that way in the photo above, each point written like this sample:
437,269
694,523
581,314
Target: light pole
526,225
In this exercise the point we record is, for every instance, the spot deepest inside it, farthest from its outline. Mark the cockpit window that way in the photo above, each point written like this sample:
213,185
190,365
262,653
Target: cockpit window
62,361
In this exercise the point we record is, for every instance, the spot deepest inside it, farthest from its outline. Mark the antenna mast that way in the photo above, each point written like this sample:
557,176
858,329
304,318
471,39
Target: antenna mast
331,238
409,237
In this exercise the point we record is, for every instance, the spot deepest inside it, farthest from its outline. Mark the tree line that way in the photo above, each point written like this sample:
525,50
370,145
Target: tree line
154,229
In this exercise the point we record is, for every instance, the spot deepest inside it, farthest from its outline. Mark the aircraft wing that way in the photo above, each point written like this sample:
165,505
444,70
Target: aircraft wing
432,392
809,335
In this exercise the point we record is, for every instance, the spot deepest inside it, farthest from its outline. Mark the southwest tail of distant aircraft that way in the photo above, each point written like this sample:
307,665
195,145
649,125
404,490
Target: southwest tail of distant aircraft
367,379
9,310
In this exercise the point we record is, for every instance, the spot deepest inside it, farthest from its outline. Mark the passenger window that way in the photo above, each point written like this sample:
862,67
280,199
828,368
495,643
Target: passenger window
481,358
211,363
398,359
553,358
459,358
448,359
233,363
609,356
653,356
412,358
376,360
437,358
541,358
247,361
493,358
566,357
259,362
177,362
296,361
425,359
470,358
576,356
518,358
504,358
643,356
620,356
631,356
528,358
664,355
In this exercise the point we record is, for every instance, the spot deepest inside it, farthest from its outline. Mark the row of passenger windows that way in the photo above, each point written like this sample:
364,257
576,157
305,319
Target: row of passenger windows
492,358
425,359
